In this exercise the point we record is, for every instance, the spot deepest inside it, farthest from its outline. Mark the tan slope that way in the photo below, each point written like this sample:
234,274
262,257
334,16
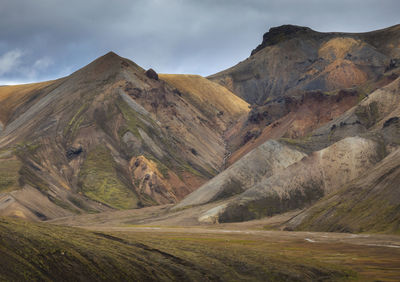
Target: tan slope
13,96
207,93
262,162
302,183
369,204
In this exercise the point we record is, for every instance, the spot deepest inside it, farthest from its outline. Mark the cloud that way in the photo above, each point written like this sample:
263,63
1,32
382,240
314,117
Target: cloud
43,63
10,61
189,36
15,64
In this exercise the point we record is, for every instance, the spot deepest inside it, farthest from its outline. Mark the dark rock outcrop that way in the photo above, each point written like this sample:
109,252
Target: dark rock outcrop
391,121
281,33
73,152
150,73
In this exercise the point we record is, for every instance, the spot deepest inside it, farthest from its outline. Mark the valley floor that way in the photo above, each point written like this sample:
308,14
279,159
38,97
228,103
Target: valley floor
249,251
364,257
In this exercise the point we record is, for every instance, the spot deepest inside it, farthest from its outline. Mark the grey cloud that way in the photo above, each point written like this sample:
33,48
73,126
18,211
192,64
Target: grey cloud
10,60
175,36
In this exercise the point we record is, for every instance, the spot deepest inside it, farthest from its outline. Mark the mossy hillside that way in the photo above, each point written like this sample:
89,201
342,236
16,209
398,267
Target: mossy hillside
63,204
13,96
73,125
30,174
362,211
100,180
9,176
272,203
31,251
134,121
368,115
25,150
173,159
369,203
302,144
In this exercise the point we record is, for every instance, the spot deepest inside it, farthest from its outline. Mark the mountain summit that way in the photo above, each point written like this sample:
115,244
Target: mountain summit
292,59
110,136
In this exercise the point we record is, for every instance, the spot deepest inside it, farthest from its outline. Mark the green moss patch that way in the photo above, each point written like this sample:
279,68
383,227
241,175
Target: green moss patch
368,115
9,174
100,181
73,125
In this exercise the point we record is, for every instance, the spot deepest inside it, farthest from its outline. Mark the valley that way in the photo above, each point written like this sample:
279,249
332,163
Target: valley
193,253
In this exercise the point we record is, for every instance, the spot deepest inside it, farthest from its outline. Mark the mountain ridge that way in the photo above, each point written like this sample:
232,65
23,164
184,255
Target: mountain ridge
109,136
113,135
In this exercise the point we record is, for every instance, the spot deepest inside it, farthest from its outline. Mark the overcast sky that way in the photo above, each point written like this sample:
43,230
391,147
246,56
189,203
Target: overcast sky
47,39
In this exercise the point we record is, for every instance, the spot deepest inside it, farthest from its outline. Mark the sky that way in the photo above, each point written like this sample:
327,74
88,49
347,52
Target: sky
48,39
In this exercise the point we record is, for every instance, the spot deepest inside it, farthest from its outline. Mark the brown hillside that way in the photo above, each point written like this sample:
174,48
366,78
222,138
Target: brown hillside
110,137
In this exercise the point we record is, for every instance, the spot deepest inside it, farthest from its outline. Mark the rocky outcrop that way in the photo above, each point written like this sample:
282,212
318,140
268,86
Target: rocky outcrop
150,73
294,59
278,34
73,152
156,181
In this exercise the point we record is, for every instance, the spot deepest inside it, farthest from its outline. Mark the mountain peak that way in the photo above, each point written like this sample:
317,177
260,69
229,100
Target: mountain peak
104,67
281,33
111,55
108,58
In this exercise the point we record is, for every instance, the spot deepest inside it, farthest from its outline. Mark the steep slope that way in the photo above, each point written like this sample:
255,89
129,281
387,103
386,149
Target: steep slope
13,96
260,163
298,79
292,59
335,159
205,93
289,118
302,183
369,204
108,136
375,116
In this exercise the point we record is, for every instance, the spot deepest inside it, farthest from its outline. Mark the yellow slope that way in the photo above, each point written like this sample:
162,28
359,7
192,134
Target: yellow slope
13,96
207,93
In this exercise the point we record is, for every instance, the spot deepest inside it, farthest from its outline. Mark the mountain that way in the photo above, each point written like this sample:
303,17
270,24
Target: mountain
260,163
344,132
298,126
300,79
341,152
110,135
293,59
